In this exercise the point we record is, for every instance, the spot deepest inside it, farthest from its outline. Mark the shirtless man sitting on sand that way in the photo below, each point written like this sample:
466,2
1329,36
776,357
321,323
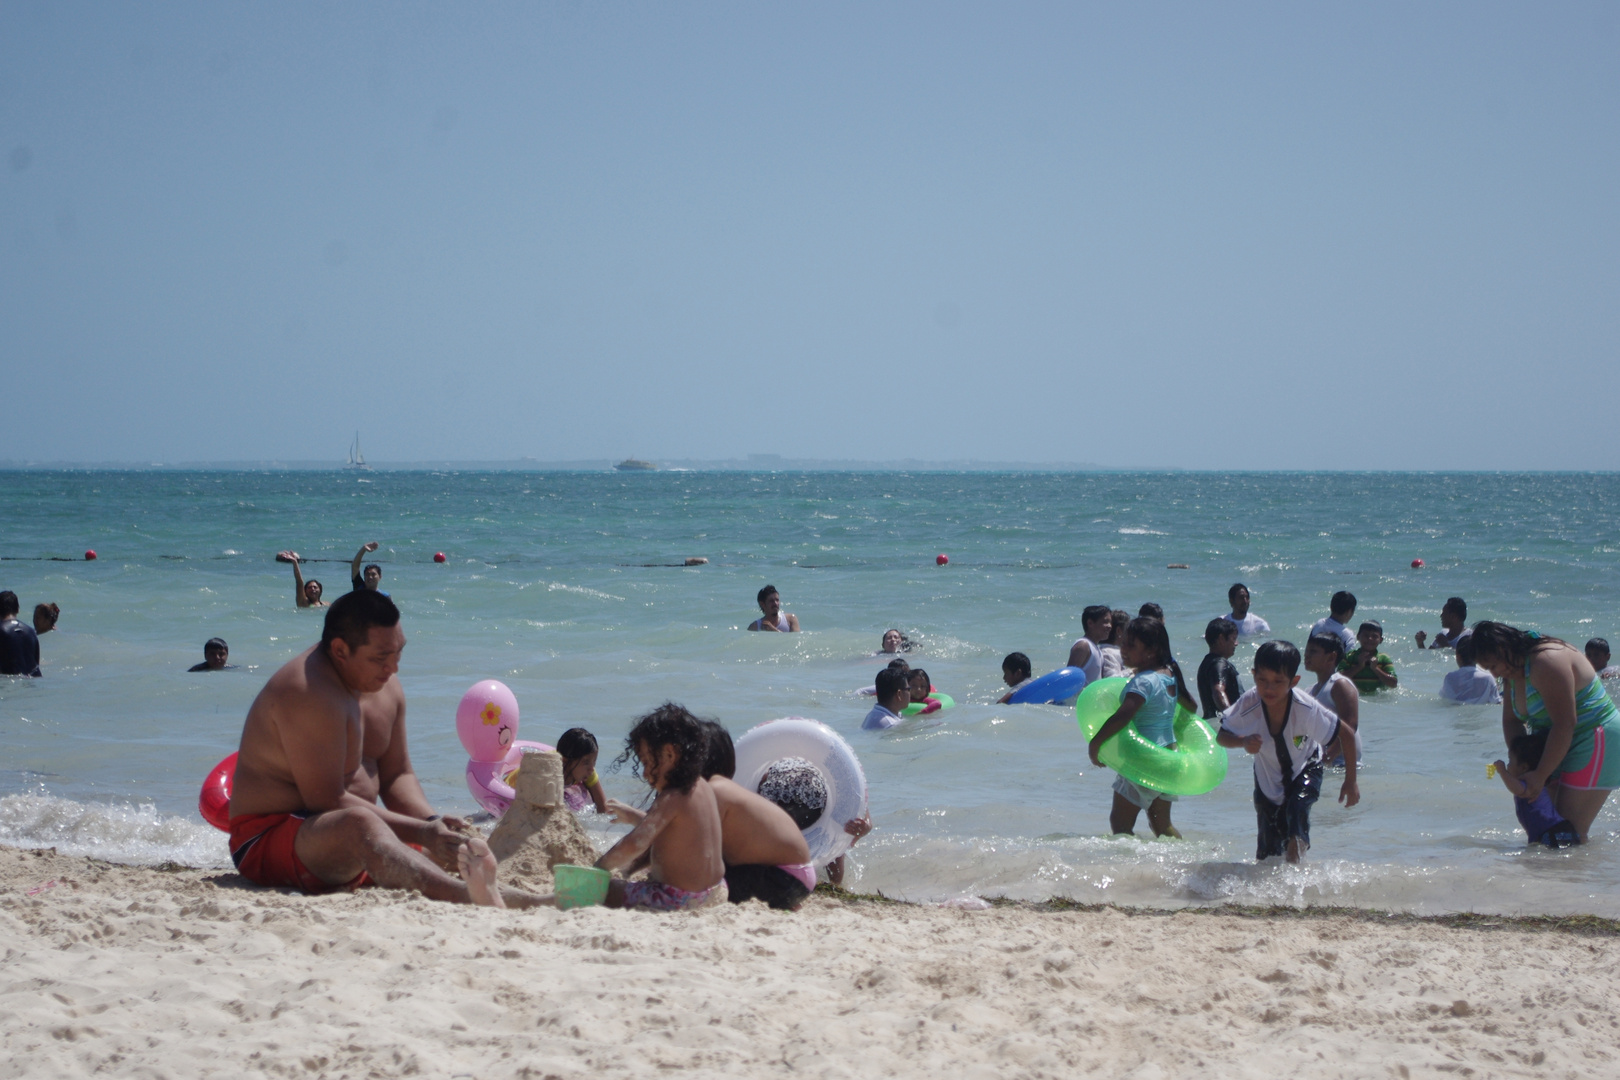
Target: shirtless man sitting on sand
296,819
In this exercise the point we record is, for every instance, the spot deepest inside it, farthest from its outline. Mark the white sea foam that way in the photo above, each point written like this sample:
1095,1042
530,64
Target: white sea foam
116,832
1133,531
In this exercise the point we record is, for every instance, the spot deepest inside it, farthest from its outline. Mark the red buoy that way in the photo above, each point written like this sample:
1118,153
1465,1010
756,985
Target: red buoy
89,556
438,556
941,559
214,801
1417,564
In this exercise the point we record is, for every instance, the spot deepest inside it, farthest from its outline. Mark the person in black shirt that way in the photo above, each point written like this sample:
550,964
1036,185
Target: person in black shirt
373,573
1218,685
19,645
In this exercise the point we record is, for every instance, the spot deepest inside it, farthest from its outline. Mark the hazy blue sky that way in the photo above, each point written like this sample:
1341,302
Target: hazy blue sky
1209,235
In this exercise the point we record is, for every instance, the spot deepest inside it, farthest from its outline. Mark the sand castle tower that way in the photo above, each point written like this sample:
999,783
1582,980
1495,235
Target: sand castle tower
538,831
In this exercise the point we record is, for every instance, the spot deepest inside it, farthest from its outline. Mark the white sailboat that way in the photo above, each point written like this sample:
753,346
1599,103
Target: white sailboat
357,460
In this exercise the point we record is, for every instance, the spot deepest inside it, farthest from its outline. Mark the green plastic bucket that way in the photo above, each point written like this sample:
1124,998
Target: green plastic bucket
580,886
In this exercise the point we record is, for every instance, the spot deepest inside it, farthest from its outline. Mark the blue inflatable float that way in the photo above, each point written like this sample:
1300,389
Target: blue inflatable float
1058,687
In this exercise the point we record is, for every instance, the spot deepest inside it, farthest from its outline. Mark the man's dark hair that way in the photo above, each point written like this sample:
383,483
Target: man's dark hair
9,604
1371,624
1457,604
1217,629
1328,642
899,665
216,643
721,759
1342,601
1467,655
1150,610
1528,748
575,743
354,614
370,566
1279,656
763,593
1231,594
1018,664
889,683
1597,643
669,725
1092,613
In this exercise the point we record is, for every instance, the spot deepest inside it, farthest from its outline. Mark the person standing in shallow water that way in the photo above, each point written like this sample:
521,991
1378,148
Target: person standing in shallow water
1549,685
216,656
772,617
19,644
372,578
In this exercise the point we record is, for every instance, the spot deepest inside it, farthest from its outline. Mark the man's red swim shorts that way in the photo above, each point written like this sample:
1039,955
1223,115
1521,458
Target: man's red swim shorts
262,849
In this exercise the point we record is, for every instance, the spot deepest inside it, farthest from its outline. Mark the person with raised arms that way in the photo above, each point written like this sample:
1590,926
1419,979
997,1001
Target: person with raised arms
306,594
296,821
372,578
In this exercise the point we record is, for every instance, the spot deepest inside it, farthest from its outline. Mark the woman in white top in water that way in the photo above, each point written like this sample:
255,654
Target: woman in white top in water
1086,654
1335,692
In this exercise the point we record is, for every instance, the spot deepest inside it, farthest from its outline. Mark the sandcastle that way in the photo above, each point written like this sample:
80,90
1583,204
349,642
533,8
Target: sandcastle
538,831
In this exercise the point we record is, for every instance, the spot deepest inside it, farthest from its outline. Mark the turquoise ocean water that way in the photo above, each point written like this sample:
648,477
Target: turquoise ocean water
546,588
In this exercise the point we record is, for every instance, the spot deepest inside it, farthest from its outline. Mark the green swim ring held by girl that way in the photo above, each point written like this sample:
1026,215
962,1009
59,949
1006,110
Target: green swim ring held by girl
1148,703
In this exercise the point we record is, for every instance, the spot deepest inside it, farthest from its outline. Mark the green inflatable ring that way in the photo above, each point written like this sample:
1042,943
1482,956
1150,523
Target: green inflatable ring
936,702
1197,764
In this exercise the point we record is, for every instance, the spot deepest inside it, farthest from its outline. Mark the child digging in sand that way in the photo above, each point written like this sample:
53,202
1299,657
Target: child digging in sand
583,787
1149,700
680,836
1538,815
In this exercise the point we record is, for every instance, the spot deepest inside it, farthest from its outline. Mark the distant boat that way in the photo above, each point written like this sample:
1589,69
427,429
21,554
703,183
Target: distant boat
357,460
631,464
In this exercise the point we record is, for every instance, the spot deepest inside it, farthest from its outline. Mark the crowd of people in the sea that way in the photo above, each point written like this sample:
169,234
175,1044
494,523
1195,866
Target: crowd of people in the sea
325,797
1554,694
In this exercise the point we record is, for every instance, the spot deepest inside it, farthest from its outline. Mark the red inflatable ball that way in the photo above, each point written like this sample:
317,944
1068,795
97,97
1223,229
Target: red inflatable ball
90,556
941,559
438,556
214,801
1417,564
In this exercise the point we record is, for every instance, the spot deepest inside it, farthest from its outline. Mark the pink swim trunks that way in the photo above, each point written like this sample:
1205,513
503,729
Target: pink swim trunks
657,896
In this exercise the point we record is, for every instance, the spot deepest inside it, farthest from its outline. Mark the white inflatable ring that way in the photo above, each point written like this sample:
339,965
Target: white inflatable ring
834,760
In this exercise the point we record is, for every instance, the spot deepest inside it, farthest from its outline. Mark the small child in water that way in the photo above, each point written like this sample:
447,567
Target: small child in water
1015,672
582,786
1149,701
1538,816
680,836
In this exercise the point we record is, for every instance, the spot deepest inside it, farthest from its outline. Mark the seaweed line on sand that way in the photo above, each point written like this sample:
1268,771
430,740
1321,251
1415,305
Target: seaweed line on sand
1580,925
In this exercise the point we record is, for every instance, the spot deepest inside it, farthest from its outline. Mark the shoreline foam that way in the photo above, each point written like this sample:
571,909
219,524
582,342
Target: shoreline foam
188,972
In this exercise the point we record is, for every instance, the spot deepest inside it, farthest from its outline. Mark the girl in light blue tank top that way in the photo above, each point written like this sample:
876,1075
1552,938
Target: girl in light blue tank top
1149,702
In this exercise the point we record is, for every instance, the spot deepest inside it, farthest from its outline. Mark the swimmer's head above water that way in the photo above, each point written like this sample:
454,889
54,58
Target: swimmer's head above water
312,591
371,577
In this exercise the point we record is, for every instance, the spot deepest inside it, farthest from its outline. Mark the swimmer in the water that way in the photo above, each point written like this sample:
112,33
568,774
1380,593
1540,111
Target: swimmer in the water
895,642
774,618
216,656
305,593
45,617
917,680
373,573
1015,672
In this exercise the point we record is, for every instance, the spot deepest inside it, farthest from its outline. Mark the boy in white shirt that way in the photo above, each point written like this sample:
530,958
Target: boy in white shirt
1341,609
893,694
1470,685
1285,729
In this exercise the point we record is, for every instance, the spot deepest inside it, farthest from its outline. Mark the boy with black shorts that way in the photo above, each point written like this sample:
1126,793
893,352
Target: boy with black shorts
1285,729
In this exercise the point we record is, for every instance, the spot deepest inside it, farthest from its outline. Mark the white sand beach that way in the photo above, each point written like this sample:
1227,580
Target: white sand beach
134,972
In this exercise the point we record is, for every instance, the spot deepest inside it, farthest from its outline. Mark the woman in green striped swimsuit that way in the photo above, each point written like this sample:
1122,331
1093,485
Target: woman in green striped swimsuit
1548,685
